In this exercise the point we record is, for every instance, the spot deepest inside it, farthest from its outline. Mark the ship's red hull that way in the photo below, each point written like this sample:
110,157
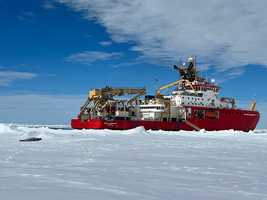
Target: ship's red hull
243,120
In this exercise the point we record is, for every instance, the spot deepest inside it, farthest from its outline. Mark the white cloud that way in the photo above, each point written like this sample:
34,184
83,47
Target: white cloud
105,43
7,77
89,57
128,64
48,5
222,33
39,109
26,16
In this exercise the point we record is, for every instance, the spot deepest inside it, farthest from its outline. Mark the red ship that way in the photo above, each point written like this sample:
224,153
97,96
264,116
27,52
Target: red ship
194,104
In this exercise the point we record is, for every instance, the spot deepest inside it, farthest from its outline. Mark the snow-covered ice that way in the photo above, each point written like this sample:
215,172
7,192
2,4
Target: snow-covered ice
133,164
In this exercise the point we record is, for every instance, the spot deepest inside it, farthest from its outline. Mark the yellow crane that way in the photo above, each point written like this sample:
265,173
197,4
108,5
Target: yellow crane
182,81
109,91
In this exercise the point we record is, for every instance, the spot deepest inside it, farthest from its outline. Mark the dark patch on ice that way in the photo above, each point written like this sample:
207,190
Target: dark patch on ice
31,139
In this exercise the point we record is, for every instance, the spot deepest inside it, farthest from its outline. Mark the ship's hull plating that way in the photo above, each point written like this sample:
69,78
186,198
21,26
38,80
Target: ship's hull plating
243,120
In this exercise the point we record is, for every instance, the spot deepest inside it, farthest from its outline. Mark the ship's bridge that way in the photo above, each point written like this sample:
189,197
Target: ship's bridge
199,87
206,87
202,97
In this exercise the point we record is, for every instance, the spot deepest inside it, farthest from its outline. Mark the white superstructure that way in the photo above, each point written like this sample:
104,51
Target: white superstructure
201,95
151,111
191,91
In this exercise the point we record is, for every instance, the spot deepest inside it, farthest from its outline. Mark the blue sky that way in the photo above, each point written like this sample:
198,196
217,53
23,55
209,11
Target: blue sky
53,51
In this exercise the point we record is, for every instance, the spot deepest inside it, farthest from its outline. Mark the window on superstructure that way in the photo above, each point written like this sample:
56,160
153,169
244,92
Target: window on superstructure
199,114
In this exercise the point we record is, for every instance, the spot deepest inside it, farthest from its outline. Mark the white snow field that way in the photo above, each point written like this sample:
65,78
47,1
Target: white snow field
133,164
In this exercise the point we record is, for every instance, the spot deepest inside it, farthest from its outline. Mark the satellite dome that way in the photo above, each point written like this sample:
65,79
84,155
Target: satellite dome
190,59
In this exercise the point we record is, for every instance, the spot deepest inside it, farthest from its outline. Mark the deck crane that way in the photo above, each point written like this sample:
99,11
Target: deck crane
183,82
102,100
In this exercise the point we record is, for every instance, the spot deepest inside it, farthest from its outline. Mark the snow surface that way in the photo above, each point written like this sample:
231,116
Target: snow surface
133,164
